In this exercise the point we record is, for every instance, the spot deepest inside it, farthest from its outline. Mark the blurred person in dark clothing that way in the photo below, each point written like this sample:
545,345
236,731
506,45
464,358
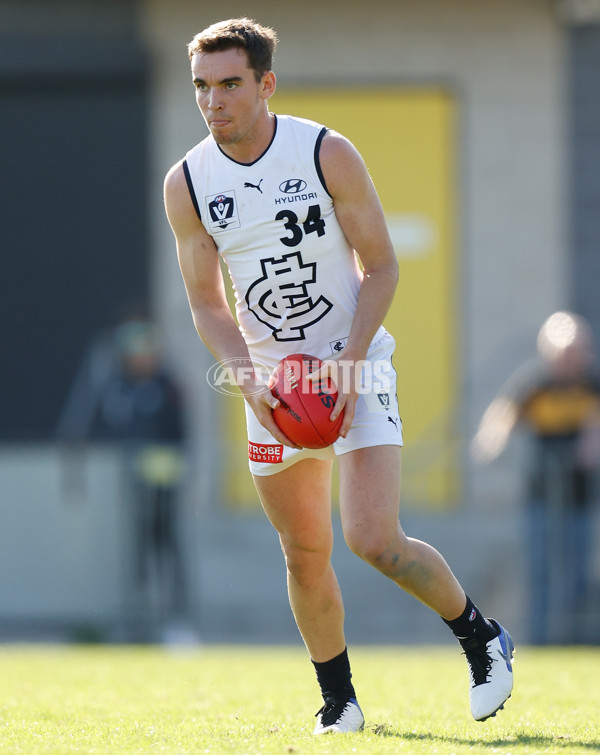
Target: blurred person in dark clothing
124,395
556,396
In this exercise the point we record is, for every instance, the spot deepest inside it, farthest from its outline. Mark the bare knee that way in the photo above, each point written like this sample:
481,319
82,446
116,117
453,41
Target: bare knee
306,563
389,553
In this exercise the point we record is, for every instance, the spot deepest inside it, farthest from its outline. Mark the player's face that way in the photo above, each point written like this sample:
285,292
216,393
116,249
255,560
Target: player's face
230,99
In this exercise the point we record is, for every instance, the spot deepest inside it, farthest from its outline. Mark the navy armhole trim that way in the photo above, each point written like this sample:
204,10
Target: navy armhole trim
324,130
190,185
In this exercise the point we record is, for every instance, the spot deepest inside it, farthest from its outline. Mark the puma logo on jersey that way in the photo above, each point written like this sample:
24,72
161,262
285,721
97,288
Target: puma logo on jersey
248,185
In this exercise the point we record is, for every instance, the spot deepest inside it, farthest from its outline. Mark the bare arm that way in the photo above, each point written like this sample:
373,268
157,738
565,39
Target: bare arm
361,217
199,263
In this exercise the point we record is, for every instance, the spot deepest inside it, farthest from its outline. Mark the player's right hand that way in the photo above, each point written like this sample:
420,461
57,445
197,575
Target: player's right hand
262,402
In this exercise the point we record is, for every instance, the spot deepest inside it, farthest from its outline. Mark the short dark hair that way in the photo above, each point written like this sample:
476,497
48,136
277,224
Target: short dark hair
258,41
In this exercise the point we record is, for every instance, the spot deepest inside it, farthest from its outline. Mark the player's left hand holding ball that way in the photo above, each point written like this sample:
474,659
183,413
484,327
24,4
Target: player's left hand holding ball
342,372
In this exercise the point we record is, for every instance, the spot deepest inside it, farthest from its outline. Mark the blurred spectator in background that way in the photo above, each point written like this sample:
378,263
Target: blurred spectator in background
124,395
556,396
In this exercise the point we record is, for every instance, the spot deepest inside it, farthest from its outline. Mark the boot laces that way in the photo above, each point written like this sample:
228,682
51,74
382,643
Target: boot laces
332,711
479,660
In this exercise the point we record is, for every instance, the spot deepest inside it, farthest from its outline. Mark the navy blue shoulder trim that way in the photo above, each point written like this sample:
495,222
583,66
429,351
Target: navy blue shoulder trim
322,133
188,180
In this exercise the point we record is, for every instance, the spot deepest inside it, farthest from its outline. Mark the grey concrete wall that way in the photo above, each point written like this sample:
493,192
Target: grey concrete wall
68,564
584,177
63,554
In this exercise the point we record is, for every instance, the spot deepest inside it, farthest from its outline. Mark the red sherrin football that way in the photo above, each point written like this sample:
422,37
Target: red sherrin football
305,406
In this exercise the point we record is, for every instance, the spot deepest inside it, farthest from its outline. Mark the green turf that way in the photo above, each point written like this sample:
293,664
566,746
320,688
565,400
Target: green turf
262,700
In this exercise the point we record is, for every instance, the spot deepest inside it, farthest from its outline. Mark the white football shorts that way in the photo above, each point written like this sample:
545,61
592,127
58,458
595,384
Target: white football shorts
376,418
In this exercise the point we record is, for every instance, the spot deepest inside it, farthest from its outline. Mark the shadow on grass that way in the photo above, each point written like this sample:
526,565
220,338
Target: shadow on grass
517,738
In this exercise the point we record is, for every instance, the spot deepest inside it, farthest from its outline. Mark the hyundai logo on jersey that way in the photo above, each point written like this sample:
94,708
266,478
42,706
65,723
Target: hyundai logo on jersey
292,186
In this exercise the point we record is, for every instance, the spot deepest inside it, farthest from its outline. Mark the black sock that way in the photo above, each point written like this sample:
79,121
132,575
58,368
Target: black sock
470,624
334,678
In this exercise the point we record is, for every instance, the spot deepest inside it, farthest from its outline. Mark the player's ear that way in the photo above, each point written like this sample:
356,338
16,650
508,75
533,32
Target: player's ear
269,84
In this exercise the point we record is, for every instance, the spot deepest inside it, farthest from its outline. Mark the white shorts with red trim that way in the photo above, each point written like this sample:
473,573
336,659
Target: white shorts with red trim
376,419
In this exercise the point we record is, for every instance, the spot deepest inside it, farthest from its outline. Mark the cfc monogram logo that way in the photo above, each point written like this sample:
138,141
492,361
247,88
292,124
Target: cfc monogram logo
281,298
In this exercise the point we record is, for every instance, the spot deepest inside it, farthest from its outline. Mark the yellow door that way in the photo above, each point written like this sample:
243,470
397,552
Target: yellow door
407,137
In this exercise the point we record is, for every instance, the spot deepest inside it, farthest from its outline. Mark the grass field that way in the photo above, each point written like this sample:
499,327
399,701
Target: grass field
102,699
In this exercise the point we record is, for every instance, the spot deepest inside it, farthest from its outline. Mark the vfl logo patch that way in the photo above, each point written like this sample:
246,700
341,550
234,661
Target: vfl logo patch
281,298
222,212
272,454
384,399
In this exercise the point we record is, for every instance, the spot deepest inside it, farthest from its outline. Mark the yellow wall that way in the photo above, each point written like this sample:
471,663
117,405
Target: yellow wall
408,140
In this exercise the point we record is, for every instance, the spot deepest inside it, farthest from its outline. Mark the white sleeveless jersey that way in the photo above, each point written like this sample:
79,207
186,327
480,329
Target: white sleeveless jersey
296,278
